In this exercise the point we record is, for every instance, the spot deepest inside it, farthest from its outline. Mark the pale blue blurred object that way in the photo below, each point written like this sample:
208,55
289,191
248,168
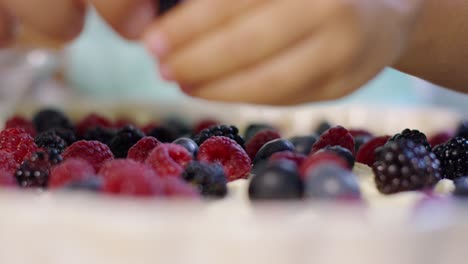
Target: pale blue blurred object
102,64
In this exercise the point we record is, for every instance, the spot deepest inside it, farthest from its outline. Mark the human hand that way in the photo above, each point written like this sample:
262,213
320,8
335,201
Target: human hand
63,20
279,52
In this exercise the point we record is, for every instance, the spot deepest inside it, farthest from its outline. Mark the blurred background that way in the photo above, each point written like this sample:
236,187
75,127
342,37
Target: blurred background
102,65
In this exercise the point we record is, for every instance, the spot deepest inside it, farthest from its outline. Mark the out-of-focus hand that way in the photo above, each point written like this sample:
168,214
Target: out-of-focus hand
62,20
279,52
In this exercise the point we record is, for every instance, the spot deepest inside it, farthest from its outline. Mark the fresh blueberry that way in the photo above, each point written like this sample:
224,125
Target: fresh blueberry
462,130
210,179
342,152
328,181
93,184
278,180
461,187
303,144
188,144
322,127
252,129
271,147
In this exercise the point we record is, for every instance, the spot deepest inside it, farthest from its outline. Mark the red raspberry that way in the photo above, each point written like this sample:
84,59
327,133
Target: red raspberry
21,122
440,138
204,124
169,160
149,127
94,152
69,171
297,158
366,154
259,139
92,121
315,160
360,133
141,150
176,187
335,136
229,154
7,179
17,142
128,177
7,162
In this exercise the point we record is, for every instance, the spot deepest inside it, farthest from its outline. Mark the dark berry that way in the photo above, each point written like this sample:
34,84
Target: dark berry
51,118
101,134
188,144
335,136
277,180
403,165
55,156
125,138
92,184
342,152
366,154
229,154
50,140
226,131
258,140
208,178
277,145
322,127
453,156
181,127
359,141
329,181
253,129
295,157
91,121
461,187
34,172
303,144
66,134
414,135
321,158
164,133
204,124
462,130
164,6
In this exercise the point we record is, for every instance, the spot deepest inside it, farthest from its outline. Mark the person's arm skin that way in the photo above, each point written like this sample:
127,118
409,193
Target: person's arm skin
438,49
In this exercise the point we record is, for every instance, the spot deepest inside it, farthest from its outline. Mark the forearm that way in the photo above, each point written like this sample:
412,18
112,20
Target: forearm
438,48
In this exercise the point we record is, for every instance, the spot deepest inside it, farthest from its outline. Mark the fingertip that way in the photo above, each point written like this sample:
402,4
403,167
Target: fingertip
157,43
133,27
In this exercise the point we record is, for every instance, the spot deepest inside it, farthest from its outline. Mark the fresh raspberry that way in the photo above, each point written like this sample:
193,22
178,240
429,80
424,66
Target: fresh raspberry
360,133
128,177
232,156
335,136
149,127
7,179
297,158
317,159
366,154
71,170
259,139
7,162
204,124
169,160
21,122
178,188
94,152
440,138
141,150
17,142
92,121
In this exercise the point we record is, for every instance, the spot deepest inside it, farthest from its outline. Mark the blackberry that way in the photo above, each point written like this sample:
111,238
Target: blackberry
164,133
414,135
66,134
403,165
51,118
210,179
462,130
101,134
453,156
166,5
125,138
34,172
342,152
231,132
50,140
